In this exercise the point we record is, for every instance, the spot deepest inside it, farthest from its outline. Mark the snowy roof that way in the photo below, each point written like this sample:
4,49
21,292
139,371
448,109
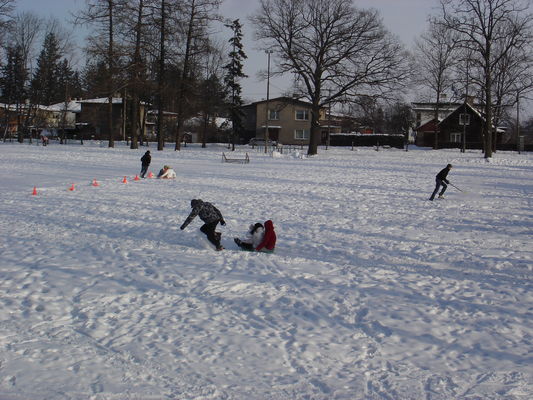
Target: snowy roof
102,100
72,106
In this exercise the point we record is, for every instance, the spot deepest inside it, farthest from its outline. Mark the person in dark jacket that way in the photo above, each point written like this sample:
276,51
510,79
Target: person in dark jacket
269,240
145,163
441,180
211,216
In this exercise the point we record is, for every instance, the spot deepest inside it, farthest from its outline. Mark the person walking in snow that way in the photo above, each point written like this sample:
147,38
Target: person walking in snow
269,240
145,163
441,180
254,237
211,216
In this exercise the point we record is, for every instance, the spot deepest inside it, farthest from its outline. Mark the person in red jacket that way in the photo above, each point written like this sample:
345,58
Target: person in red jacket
269,240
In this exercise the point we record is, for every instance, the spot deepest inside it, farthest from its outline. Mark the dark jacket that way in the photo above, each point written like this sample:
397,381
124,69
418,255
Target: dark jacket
146,159
269,240
443,174
205,210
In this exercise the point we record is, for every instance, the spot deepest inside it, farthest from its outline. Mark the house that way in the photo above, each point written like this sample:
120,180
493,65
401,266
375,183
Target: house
32,119
93,120
289,121
425,112
63,115
465,118
169,124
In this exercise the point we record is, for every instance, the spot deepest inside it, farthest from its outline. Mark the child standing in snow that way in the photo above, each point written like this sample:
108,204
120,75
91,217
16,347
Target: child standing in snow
254,237
211,216
145,163
440,180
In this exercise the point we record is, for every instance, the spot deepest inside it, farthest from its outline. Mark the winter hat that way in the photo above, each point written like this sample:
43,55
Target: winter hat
257,226
195,202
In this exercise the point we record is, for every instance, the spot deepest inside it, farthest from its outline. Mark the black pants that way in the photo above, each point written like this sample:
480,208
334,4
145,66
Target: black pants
144,169
438,184
246,246
209,230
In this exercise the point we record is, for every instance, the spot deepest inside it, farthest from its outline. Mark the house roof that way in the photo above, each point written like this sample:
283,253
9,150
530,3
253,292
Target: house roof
102,100
427,124
469,106
284,99
72,106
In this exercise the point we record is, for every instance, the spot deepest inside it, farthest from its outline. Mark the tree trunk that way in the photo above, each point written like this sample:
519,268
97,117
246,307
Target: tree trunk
160,83
488,115
314,134
436,117
110,87
184,76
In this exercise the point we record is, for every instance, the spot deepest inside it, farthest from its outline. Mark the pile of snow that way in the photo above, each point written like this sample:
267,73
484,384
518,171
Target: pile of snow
373,291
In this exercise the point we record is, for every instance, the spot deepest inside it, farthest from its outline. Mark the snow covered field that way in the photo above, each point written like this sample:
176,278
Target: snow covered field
373,291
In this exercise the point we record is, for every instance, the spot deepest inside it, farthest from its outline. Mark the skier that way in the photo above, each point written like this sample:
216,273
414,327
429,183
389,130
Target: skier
269,240
440,180
254,237
145,162
211,216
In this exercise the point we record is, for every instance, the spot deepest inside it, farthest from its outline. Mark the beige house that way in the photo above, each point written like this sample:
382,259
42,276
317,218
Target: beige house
289,121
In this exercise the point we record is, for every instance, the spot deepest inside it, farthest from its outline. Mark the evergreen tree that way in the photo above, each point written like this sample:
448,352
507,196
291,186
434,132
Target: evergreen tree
94,79
234,72
45,83
12,85
13,76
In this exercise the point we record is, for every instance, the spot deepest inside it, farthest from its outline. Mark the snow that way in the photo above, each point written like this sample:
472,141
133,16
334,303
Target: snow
373,291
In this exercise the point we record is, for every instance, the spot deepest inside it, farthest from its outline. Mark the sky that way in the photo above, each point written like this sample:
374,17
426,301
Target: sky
404,18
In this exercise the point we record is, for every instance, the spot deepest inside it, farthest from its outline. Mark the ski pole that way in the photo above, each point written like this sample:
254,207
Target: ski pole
456,187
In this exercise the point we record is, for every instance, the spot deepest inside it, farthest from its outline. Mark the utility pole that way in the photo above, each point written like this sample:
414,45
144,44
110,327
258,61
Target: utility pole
267,113
518,121
329,121
463,146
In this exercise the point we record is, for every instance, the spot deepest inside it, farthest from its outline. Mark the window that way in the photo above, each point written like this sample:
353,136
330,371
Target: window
464,119
302,115
455,137
273,115
301,134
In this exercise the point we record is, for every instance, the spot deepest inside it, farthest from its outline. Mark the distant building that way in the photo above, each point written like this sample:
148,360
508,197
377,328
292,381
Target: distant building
289,121
455,119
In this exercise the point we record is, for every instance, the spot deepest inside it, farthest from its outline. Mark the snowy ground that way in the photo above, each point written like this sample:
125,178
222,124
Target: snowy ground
373,292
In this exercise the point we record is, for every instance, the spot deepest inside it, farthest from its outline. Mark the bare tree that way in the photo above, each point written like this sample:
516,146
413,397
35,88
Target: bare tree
196,14
491,29
6,8
162,24
26,31
435,61
513,79
101,13
133,19
336,50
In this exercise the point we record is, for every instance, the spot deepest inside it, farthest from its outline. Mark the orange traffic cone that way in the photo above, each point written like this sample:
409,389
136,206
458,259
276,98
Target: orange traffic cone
124,180
71,188
34,193
95,183
150,174
136,178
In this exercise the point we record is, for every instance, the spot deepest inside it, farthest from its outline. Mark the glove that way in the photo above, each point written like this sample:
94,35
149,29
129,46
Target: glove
222,222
